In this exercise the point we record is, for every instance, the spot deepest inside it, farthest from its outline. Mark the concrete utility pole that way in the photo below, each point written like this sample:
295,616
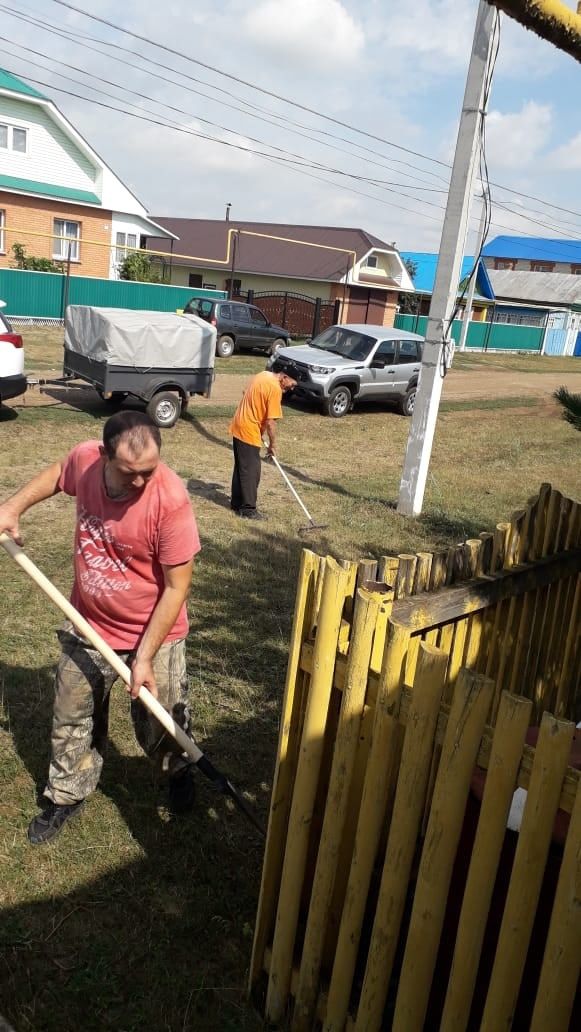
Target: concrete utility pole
472,284
419,446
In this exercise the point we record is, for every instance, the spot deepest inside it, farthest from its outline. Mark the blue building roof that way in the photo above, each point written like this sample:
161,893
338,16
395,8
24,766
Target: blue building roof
541,248
425,275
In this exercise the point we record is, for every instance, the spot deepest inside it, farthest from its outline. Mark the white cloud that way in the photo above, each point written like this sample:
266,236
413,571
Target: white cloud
304,31
517,138
568,156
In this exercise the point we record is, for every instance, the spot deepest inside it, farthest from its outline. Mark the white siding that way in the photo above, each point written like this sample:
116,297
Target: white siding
51,156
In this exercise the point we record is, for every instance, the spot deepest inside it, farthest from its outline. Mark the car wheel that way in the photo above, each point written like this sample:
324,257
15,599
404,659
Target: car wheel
278,343
406,405
225,347
164,408
339,402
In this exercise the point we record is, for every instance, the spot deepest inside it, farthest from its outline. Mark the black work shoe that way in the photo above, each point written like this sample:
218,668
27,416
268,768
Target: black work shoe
251,514
46,825
182,791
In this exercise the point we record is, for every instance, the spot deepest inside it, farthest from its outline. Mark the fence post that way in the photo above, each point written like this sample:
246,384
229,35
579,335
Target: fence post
284,304
250,296
317,316
66,283
336,310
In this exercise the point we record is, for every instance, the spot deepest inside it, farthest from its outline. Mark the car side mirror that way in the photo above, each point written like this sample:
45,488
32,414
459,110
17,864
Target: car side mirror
378,363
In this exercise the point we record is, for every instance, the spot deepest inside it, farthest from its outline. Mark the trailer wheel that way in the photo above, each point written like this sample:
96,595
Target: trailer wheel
164,408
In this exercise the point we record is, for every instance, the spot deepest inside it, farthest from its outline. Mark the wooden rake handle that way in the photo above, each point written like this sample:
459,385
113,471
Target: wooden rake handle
90,634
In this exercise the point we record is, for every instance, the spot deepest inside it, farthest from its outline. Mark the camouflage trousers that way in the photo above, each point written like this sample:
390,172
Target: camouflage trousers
81,715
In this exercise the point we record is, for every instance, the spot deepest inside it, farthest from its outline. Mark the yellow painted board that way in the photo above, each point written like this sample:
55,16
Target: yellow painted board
403,834
507,746
461,742
551,755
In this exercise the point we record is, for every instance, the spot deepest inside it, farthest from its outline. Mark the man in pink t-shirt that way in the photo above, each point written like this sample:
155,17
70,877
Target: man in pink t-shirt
135,542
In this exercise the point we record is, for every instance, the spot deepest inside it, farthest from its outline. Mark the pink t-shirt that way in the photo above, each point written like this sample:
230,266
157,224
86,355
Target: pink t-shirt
120,546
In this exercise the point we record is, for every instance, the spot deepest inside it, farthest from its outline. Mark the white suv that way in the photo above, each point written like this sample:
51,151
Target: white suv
346,364
12,378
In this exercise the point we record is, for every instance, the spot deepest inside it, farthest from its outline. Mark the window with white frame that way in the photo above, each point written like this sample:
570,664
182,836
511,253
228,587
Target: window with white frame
66,235
2,225
13,138
371,261
124,241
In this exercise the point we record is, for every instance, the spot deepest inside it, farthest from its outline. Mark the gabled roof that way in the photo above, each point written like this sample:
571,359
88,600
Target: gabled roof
14,85
547,249
208,238
425,276
549,288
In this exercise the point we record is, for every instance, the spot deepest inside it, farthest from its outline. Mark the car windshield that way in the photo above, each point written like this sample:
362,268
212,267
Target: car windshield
340,340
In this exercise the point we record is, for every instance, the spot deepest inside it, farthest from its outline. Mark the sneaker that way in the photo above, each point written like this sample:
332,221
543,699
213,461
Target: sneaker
182,791
46,825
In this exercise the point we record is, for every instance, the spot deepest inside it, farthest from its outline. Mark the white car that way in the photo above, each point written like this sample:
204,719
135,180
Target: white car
12,378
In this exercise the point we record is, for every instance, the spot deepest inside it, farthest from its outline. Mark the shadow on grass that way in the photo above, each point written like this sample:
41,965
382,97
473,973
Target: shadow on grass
162,941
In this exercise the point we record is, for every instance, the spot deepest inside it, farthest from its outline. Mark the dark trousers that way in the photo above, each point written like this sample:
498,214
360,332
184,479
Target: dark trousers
246,476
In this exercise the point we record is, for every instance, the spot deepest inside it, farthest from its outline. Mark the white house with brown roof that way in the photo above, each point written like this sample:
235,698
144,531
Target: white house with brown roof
328,262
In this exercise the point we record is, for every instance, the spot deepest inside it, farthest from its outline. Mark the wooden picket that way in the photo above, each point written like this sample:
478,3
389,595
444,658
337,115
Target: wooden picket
406,675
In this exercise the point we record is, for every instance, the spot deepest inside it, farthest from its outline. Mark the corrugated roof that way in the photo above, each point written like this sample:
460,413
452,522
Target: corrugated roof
65,193
207,240
546,249
549,288
10,82
426,263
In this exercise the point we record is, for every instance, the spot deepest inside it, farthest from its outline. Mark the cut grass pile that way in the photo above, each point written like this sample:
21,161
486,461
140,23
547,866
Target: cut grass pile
130,920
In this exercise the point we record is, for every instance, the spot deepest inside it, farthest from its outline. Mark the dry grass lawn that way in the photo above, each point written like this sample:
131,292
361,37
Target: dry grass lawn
131,920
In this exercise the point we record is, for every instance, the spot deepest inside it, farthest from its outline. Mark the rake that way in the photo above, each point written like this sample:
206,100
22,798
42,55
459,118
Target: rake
220,781
312,525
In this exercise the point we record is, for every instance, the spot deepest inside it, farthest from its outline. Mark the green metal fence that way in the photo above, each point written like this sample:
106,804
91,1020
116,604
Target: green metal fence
483,335
41,295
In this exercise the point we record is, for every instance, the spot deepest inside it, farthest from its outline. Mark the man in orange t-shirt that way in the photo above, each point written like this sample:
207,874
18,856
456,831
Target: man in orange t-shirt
255,416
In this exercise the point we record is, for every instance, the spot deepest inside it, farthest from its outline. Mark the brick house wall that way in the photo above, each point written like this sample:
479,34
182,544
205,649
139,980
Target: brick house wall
26,216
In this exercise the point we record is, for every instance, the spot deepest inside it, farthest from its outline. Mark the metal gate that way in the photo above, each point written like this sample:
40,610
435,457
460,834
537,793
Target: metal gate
302,315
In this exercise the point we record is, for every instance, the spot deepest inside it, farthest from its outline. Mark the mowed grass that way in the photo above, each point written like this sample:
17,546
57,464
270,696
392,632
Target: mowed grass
130,920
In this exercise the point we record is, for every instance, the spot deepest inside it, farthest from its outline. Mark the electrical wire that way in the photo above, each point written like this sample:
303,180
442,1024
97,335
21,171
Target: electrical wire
69,33
283,122
286,100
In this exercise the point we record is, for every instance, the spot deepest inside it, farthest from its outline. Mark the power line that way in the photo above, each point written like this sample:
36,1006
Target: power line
287,124
286,100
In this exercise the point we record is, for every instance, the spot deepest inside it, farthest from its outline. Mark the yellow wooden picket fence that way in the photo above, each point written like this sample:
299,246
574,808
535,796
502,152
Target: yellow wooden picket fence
406,678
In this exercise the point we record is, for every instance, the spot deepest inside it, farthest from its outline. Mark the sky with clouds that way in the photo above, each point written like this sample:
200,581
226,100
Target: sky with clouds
395,71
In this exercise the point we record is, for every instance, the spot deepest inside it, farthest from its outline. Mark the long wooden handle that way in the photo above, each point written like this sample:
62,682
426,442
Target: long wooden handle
90,634
288,483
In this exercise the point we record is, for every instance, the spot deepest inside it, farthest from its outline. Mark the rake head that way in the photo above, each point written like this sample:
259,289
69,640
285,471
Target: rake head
313,526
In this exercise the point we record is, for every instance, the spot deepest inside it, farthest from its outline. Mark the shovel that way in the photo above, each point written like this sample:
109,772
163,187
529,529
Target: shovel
145,697
312,525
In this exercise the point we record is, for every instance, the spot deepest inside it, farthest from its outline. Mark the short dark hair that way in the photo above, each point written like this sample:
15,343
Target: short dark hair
133,424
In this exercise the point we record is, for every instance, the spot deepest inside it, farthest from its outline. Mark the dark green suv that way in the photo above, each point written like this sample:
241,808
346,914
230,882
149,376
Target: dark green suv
239,327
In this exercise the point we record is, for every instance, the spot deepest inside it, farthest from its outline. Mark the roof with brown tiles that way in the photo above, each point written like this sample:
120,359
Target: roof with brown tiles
206,241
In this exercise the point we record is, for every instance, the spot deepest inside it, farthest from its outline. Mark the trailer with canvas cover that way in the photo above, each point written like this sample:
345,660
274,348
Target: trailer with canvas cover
161,358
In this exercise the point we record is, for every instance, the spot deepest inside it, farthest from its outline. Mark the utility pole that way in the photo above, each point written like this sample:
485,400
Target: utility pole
472,284
421,437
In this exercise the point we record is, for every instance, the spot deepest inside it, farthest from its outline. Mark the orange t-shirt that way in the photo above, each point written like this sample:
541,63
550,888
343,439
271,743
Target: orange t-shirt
261,401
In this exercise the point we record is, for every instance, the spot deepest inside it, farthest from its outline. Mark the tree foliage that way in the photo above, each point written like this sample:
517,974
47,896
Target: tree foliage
138,266
22,260
571,405
409,304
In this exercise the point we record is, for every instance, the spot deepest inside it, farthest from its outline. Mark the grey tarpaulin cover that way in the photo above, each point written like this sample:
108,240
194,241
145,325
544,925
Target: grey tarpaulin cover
145,340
